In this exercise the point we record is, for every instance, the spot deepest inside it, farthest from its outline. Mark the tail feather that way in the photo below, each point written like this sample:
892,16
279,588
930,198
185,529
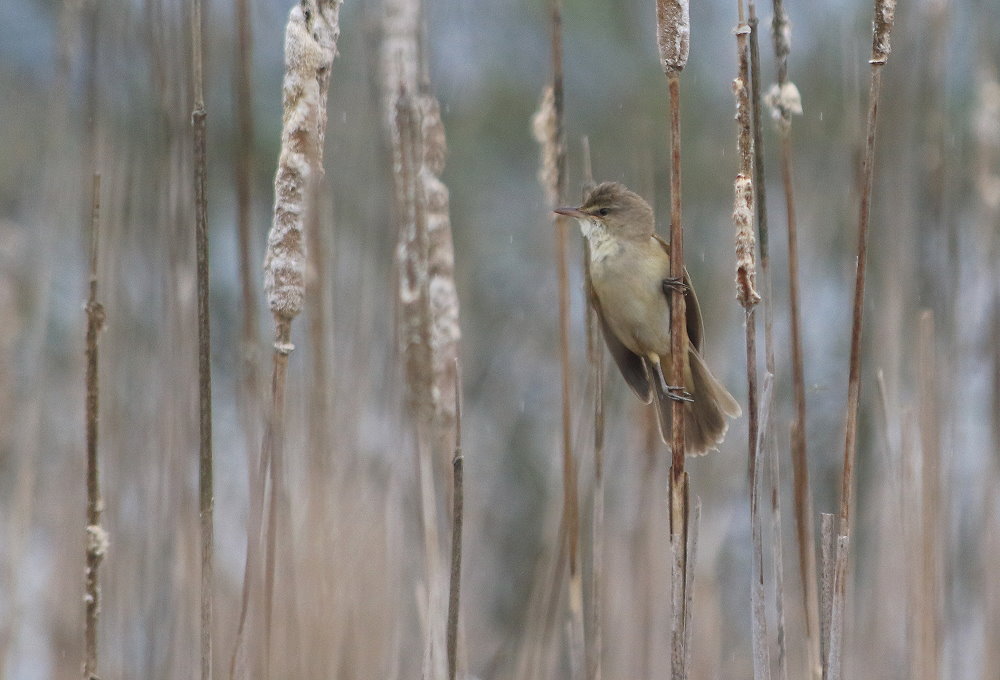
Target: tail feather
706,418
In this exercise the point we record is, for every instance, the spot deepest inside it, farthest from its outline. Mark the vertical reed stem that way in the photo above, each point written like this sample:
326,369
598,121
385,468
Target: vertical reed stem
97,538
884,16
786,105
570,503
678,352
571,511
760,187
593,630
457,514
205,493
673,37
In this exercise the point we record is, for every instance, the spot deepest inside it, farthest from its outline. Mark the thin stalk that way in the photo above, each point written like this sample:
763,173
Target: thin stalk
884,16
570,503
677,306
776,544
244,181
673,37
835,662
761,655
457,514
205,493
571,511
97,538
760,187
249,378
882,26
593,630
828,551
678,477
928,623
748,298
805,531
272,456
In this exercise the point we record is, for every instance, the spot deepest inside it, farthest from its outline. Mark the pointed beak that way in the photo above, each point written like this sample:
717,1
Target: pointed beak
572,212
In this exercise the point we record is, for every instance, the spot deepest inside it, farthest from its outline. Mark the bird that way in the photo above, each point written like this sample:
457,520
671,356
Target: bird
630,283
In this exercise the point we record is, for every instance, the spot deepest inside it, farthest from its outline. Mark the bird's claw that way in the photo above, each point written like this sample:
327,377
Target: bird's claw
672,283
675,392
678,393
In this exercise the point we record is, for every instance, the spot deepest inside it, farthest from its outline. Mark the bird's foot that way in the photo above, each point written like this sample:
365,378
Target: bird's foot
672,283
678,393
674,392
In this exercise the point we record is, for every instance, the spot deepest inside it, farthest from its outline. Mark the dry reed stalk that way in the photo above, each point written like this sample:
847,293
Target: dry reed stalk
244,180
828,554
882,26
760,186
785,102
593,630
759,639
910,502
932,544
777,551
428,329
884,15
673,36
692,560
457,518
206,497
838,604
248,396
748,298
547,126
97,536
310,46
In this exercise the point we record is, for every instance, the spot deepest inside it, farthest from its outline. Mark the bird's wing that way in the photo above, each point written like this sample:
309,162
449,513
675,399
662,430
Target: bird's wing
692,310
629,363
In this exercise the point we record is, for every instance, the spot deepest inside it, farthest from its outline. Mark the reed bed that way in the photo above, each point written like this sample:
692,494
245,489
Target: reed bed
373,511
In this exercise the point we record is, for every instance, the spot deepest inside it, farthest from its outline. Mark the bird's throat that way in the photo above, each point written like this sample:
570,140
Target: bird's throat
602,243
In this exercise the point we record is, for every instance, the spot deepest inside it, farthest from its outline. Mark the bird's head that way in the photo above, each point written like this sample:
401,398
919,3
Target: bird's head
612,209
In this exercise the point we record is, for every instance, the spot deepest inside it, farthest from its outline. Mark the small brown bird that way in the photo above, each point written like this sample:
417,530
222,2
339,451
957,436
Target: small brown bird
630,276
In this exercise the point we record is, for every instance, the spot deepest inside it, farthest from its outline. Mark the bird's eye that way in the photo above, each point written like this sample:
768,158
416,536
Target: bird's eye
603,212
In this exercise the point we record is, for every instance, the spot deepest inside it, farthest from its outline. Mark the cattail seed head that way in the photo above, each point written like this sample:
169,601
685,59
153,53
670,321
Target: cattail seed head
784,101
746,270
310,45
543,128
885,14
673,34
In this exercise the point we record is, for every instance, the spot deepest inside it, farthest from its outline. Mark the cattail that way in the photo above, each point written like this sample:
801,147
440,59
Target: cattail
310,45
673,34
784,101
543,128
442,296
885,14
746,272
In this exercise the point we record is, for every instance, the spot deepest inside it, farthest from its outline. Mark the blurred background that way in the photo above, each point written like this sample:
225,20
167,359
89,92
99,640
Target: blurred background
114,93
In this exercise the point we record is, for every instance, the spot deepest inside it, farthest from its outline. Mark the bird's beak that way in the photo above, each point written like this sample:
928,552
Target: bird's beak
572,212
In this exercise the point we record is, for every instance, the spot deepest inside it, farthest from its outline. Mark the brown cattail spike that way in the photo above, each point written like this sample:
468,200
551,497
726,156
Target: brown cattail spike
673,34
885,14
310,45
746,271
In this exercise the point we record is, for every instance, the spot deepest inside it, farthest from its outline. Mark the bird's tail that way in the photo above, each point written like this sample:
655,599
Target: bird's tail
706,418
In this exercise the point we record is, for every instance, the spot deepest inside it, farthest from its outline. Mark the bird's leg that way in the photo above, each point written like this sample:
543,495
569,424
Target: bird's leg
675,392
672,283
